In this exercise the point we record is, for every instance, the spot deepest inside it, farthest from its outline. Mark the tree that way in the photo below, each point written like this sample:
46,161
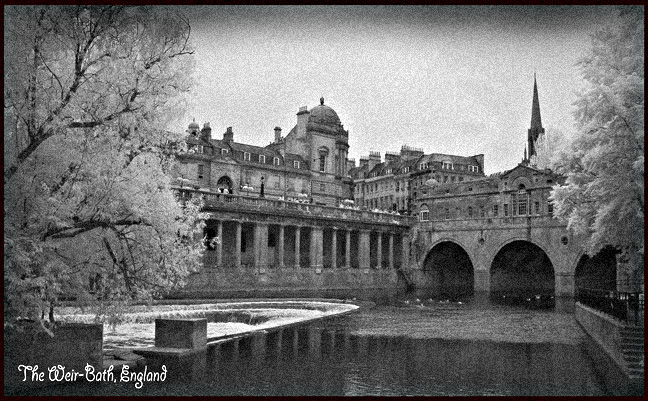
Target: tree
603,197
89,211
550,148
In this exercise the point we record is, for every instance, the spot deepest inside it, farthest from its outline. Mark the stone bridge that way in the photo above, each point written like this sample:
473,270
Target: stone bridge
532,254
270,244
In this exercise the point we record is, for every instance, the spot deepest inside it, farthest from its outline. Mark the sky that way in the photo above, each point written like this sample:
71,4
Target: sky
447,79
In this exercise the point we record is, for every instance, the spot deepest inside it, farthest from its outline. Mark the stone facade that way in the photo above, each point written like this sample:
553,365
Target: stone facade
412,212
309,164
393,184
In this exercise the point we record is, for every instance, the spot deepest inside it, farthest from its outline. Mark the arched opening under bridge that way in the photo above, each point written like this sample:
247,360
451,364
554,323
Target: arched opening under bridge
449,271
521,272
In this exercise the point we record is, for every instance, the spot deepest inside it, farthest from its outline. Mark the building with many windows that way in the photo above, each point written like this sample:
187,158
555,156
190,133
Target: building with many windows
308,164
521,191
393,184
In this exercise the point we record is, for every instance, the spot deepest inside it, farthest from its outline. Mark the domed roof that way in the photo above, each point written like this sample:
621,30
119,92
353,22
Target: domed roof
323,114
194,124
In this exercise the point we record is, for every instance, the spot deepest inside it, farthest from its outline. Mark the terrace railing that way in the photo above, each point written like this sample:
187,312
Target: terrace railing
244,202
625,306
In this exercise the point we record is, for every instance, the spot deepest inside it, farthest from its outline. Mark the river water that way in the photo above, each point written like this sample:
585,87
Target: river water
405,345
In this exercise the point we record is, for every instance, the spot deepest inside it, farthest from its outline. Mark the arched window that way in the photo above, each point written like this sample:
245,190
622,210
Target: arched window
424,213
224,184
323,154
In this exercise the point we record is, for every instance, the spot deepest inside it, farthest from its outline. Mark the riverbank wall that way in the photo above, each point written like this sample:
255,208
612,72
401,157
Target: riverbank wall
246,283
623,343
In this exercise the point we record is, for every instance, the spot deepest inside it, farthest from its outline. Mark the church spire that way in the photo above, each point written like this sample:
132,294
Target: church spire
536,122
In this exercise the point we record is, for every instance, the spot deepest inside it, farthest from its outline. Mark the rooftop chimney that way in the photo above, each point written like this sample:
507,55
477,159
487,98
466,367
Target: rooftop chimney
391,156
277,131
302,119
205,132
374,158
228,136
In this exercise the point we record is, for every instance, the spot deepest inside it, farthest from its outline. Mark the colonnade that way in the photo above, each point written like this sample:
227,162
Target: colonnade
264,245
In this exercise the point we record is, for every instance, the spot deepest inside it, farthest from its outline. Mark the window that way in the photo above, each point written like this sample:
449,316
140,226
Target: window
447,214
322,187
201,171
550,208
445,178
474,169
447,165
224,151
460,178
495,210
246,156
276,161
522,208
406,170
506,211
261,158
296,163
277,184
424,166
322,163
470,212
537,208
482,213
425,213
200,149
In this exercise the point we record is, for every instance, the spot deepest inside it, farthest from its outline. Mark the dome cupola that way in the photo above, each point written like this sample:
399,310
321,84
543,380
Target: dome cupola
323,115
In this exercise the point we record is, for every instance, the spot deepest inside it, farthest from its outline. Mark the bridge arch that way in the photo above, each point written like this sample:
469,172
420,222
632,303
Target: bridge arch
448,269
522,268
598,271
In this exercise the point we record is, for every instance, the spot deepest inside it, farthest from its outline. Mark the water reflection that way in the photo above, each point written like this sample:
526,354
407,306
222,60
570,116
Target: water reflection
407,345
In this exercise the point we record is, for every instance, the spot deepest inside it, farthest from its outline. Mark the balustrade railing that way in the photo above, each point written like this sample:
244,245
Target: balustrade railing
625,306
212,199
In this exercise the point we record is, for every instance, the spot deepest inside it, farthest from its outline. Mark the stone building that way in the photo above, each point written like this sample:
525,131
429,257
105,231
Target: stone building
393,184
521,191
308,164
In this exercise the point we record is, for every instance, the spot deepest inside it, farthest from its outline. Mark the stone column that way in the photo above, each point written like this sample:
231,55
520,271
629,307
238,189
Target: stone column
219,246
334,249
237,251
280,244
405,263
391,251
363,250
379,251
260,246
297,245
316,249
347,254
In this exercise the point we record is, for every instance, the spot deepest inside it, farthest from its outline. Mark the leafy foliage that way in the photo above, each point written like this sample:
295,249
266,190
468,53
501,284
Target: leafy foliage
89,212
603,197
552,148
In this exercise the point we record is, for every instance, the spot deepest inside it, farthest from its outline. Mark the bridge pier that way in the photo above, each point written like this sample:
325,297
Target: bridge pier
565,284
482,279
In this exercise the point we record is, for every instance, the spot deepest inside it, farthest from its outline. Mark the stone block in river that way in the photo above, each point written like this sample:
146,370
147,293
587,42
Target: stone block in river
181,333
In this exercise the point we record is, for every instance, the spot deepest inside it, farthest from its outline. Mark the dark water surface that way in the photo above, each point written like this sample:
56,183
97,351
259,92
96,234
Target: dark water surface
406,345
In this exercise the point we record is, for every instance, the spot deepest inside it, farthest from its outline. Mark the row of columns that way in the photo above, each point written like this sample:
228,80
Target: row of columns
316,247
